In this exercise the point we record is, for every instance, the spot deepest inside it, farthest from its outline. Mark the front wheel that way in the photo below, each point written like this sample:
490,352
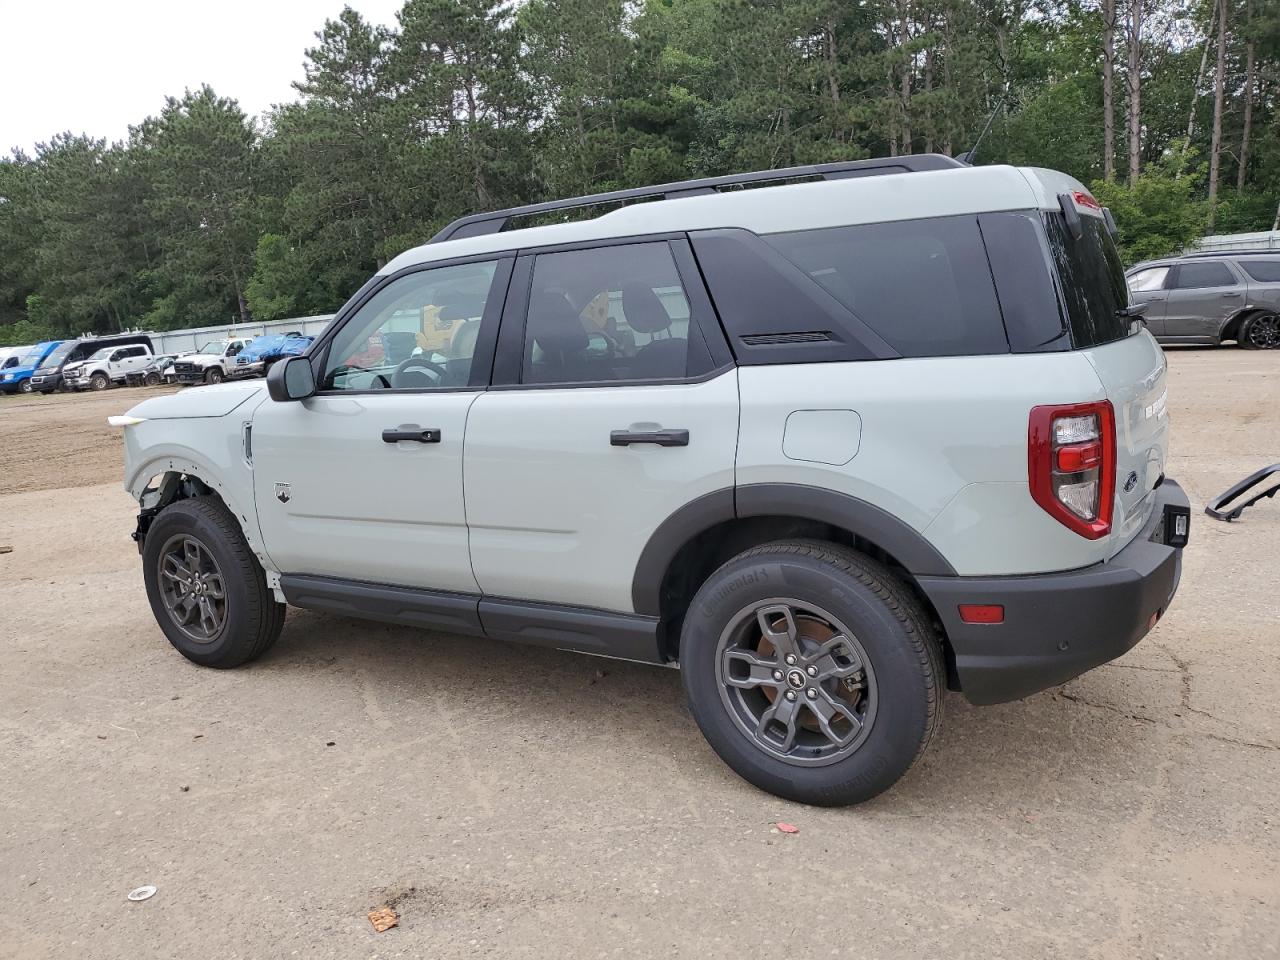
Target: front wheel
99,381
812,671
207,590
25,386
214,375
152,380
1261,332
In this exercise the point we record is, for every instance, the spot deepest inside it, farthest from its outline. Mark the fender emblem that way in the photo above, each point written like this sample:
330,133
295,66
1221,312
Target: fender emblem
1130,482
283,492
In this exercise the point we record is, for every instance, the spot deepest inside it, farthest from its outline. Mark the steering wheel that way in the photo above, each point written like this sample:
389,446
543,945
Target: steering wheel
410,362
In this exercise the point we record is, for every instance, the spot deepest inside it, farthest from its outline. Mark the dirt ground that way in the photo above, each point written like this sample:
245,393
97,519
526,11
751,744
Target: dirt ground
518,802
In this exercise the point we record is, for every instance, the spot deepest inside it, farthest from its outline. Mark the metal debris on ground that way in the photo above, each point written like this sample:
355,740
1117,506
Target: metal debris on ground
383,919
6,549
142,893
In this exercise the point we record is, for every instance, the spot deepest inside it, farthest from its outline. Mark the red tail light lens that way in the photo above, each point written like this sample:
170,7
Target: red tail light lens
1071,464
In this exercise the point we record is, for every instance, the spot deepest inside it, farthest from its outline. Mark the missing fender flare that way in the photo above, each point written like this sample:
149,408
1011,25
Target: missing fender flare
1217,507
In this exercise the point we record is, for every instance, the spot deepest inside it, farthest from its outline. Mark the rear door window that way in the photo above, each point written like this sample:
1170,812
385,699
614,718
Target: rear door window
1264,271
1195,276
1091,280
923,285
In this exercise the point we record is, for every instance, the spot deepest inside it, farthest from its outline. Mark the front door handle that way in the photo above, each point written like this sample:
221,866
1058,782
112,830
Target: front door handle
1225,295
411,431
663,438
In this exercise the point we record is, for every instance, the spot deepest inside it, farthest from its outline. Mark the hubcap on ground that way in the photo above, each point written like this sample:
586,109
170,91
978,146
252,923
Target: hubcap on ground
192,588
1264,332
796,681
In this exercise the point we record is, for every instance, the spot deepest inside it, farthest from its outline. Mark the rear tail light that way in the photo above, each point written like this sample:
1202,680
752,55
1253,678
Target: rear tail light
1071,464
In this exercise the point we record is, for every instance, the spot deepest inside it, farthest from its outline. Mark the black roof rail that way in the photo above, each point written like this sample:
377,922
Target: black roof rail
1245,252
479,224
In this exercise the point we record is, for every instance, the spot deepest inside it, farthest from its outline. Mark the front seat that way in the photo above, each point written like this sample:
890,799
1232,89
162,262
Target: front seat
659,359
560,339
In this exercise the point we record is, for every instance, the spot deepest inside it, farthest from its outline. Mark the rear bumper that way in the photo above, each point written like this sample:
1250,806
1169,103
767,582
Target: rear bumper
1058,625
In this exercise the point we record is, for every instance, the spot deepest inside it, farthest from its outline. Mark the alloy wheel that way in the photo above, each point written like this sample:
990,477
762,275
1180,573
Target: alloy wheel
796,681
192,588
1264,332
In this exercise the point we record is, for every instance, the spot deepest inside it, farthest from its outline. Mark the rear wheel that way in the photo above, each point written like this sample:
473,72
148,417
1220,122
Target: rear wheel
214,375
1261,332
812,671
207,590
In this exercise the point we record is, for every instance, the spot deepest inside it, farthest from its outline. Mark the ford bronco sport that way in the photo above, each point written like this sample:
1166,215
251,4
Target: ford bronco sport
827,445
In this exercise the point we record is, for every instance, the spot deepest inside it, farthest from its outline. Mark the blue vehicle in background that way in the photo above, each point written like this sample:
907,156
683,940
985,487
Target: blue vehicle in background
17,379
256,358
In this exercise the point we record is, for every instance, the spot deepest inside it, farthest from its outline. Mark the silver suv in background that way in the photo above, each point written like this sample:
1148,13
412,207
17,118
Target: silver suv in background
1208,298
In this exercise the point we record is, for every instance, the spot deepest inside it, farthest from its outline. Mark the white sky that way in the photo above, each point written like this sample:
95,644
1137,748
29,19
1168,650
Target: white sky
97,66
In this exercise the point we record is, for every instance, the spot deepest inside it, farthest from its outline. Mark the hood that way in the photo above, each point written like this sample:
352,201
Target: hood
214,401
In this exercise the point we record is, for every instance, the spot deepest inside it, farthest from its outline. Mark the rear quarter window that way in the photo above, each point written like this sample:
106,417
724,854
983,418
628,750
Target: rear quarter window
1091,280
924,286
1264,271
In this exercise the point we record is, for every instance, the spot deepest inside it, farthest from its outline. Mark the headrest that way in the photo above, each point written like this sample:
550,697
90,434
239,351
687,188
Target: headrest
644,311
556,326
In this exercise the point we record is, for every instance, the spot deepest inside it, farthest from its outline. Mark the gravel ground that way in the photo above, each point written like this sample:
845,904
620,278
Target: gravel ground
519,802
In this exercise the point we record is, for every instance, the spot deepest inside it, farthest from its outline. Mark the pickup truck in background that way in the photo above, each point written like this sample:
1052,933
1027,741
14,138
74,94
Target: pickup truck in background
256,359
107,366
212,363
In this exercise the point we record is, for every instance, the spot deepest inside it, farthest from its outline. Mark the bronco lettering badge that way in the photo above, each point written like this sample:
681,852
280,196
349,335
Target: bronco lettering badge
283,492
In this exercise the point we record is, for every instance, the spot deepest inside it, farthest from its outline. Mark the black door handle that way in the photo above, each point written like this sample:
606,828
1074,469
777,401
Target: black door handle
1230,295
410,431
663,438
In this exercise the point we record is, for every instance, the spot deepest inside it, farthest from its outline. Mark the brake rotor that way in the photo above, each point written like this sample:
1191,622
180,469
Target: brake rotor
808,628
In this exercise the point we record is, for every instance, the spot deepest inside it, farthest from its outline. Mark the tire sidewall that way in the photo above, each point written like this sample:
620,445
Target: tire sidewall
25,387
99,382
1247,330
901,722
214,375
184,517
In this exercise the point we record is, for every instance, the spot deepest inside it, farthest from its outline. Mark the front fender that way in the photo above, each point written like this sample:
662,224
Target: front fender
211,450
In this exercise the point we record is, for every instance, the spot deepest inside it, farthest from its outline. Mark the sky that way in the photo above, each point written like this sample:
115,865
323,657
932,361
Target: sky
98,66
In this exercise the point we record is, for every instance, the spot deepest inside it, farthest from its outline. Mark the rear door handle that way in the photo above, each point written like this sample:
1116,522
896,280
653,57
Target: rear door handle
663,438
411,431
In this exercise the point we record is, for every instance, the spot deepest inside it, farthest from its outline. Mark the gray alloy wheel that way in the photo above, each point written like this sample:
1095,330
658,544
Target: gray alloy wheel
25,386
1262,332
192,588
796,681
99,381
214,375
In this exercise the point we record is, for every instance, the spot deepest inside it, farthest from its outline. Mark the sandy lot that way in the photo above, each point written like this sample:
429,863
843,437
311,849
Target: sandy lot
517,802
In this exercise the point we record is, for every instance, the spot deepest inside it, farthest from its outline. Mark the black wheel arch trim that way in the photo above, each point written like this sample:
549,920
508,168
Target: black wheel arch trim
901,541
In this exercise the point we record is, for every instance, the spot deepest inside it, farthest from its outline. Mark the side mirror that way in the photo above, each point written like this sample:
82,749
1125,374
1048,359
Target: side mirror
291,379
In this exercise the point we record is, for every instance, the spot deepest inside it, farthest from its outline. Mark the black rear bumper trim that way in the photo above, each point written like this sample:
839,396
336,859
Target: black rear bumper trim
1059,625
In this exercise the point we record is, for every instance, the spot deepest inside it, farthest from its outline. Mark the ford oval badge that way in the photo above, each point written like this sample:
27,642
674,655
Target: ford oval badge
1131,481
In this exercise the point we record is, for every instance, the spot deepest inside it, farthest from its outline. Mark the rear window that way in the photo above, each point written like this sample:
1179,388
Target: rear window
1091,279
1196,276
1264,271
923,285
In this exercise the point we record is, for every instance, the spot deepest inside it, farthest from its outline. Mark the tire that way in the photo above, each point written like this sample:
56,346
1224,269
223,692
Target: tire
25,386
1261,332
152,380
829,590
248,620
99,381
214,375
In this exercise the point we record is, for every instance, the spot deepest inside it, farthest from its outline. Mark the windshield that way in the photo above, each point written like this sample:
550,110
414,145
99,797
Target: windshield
32,356
1092,280
55,359
216,347
102,354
